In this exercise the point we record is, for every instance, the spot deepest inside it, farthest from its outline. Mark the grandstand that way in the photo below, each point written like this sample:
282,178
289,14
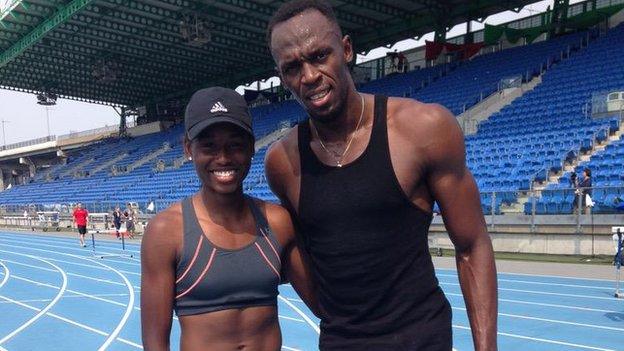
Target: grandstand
521,156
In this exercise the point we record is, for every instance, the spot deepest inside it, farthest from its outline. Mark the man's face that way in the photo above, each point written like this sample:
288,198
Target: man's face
311,58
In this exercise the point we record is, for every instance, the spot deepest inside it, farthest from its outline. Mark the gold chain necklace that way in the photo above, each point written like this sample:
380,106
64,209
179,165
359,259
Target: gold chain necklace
344,153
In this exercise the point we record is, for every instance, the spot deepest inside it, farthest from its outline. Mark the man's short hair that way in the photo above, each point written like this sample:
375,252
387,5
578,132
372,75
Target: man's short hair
587,171
291,9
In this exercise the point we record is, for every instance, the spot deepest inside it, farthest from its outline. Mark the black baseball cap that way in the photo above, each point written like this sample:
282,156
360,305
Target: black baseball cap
215,105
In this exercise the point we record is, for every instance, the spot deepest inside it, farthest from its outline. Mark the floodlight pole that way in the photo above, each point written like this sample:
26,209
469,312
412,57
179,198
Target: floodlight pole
4,135
47,108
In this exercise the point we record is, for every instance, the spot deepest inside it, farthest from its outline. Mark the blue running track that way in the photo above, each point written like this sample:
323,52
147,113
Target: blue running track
55,295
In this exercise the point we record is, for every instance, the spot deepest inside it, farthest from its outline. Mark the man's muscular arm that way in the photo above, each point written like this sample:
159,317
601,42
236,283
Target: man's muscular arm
453,187
282,172
281,166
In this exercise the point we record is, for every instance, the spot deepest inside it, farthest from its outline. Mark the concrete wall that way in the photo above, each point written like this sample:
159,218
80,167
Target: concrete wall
616,19
148,128
28,149
560,244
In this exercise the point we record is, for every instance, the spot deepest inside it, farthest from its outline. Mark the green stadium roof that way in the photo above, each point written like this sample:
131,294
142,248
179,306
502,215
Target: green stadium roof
64,46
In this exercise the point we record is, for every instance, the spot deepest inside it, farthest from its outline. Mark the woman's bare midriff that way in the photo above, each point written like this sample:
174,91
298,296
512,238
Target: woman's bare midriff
248,329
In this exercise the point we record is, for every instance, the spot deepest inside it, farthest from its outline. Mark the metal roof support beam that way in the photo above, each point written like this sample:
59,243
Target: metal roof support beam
269,11
33,37
378,7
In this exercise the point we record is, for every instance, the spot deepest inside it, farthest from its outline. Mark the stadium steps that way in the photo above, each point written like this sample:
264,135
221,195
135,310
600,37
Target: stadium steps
108,164
149,157
76,168
598,148
179,162
469,120
579,161
553,178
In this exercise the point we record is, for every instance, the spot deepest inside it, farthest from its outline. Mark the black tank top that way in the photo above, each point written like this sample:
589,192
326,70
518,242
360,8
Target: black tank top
369,252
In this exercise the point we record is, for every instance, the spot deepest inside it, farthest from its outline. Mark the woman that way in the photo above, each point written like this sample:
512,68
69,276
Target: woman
216,257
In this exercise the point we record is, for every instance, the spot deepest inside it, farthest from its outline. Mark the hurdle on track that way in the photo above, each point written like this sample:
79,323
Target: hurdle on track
98,222
123,252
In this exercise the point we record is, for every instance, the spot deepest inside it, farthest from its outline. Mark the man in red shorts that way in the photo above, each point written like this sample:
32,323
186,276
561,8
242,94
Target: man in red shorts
81,216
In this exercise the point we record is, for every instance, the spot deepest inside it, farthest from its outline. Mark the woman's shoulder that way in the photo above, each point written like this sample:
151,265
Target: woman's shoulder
168,220
271,210
279,219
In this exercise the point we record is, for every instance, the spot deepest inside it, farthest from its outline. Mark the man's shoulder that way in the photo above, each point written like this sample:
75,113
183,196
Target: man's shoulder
287,144
283,153
430,129
408,114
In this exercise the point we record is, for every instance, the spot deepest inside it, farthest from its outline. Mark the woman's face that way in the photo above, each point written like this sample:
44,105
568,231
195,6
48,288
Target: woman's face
222,157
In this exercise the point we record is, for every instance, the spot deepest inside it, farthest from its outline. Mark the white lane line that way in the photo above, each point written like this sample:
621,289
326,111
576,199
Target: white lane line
55,260
129,306
130,303
114,245
292,319
613,299
580,308
302,314
294,299
132,273
82,250
7,273
555,321
540,283
548,341
64,297
289,348
45,309
66,320
69,274
93,297
540,275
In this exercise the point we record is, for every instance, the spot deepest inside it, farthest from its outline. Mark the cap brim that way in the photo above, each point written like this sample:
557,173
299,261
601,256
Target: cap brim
195,130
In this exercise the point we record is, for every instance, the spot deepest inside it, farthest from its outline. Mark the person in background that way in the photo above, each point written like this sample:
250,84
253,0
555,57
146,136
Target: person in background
130,215
574,185
81,220
117,221
585,186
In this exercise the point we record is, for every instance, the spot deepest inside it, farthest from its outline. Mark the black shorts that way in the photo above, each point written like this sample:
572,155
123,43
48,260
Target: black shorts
129,225
117,225
82,229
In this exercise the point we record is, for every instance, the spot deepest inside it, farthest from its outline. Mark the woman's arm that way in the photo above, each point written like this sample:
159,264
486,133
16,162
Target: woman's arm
295,264
158,261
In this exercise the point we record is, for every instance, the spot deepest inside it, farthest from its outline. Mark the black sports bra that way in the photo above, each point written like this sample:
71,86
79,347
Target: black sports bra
210,278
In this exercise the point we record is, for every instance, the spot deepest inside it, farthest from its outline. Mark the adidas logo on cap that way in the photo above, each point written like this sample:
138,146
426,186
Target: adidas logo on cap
218,107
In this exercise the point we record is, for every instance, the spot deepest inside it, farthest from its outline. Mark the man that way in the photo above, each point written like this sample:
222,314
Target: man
361,177
81,219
